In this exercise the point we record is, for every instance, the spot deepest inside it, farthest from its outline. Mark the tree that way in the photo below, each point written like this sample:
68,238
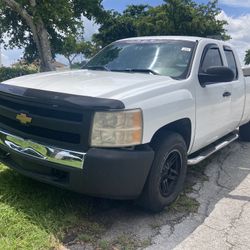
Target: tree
117,26
71,48
247,57
41,26
174,17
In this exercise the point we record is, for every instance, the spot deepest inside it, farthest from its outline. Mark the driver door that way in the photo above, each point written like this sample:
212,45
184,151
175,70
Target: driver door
213,102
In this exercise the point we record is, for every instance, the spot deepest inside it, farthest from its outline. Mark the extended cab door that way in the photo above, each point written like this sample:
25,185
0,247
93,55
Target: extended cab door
213,102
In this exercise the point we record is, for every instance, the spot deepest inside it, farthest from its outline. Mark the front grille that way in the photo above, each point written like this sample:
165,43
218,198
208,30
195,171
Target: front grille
52,124
71,116
42,132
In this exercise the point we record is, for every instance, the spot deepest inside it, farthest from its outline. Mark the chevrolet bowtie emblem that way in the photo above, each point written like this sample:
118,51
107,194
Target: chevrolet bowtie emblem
24,119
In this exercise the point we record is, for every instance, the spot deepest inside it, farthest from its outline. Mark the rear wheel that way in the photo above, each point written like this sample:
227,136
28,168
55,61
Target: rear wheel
167,174
244,132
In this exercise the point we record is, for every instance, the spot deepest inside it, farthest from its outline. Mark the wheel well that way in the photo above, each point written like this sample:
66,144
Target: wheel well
182,127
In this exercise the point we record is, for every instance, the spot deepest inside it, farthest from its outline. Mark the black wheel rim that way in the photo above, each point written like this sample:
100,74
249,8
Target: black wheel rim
170,173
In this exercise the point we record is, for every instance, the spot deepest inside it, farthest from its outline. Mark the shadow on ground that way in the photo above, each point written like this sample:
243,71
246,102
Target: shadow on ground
80,222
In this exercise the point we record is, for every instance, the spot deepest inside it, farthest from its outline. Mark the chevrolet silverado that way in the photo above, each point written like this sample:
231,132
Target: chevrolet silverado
128,124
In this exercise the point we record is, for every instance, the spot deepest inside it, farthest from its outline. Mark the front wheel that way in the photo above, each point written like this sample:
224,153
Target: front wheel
167,174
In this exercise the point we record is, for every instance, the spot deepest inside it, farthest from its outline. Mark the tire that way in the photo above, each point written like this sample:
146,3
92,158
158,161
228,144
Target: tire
165,181
244,132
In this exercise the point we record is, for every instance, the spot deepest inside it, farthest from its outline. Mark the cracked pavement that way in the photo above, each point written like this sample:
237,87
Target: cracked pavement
221,185
227,222
223,218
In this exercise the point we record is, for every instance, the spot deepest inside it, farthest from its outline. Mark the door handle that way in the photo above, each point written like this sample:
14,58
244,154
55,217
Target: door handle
226,94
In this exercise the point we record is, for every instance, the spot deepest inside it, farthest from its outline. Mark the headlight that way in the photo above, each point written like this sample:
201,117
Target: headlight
117,128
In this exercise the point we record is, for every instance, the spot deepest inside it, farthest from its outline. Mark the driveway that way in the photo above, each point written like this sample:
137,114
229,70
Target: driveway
213,213
223,218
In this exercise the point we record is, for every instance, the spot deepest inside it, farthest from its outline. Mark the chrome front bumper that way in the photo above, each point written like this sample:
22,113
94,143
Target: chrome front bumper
42,152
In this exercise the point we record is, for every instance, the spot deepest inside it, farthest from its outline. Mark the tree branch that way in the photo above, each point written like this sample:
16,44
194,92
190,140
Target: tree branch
38,30
21,11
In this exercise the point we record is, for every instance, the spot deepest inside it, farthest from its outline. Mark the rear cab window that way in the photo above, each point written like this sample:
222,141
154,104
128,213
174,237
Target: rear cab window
231,61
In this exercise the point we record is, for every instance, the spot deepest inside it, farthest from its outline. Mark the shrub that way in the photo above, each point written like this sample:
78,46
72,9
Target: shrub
8,73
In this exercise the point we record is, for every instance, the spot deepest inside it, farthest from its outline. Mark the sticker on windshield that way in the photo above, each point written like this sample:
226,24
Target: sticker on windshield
186,49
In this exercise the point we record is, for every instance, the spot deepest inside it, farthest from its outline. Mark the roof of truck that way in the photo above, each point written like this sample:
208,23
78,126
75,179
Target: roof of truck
183,38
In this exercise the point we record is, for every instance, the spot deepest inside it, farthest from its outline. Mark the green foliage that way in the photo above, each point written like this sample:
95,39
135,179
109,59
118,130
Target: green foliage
71,47
247,57
8,73
61,19
37,216
174,17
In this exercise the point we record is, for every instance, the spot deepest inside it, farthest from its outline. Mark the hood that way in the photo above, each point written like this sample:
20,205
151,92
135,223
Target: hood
103,84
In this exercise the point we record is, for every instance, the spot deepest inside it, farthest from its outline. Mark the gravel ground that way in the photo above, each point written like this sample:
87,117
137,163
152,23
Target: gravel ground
214,212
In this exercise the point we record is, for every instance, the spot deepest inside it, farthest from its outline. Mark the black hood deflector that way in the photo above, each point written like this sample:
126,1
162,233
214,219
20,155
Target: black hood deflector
60,99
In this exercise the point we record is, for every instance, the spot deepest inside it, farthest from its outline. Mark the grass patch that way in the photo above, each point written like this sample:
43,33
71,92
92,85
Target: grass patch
87,238
184,204
90,232
123,242
129,242
198,171
36,216
104,245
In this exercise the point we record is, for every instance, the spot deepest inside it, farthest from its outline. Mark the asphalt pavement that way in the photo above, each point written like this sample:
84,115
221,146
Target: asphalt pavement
220,186
223,219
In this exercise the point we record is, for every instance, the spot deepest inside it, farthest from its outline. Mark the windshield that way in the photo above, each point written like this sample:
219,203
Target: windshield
163,57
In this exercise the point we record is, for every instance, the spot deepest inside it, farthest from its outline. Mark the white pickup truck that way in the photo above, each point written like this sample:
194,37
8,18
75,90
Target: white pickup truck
128,124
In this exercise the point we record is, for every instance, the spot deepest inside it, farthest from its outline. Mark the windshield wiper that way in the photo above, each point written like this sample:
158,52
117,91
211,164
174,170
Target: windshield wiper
101,67
97,67
137,70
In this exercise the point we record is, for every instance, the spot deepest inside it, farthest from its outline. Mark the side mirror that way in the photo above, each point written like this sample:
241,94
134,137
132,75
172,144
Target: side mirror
215,75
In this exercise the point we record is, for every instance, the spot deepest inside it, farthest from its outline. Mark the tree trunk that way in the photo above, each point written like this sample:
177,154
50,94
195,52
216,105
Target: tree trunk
70,60
39,32
41,39
70,64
